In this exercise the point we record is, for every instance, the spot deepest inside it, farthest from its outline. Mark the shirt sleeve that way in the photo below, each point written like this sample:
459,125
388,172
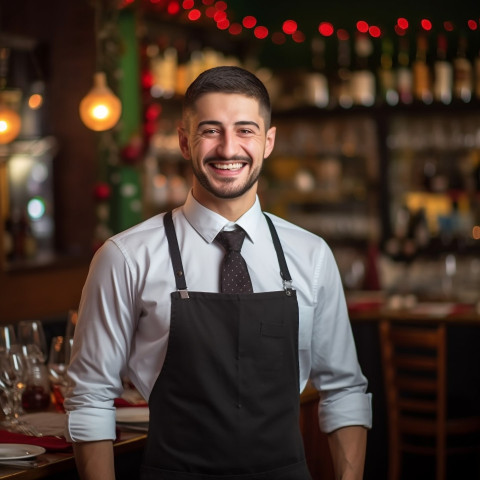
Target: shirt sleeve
101,346
335,372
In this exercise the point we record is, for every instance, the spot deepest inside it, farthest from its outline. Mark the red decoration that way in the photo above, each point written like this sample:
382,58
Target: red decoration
326,29
289,27
102,191
132,152
261,32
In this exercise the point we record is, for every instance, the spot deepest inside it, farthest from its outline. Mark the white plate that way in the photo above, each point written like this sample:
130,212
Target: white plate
133,415
18,451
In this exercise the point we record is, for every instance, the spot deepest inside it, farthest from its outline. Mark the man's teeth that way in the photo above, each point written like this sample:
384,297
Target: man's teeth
228,166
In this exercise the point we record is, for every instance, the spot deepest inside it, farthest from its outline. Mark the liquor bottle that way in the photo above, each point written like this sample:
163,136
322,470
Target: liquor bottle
343,86
422,82
443,73
316,83
477,76
404,73
386,75
463,72
363,78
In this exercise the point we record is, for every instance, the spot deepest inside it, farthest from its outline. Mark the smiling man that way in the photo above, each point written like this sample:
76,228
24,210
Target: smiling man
226,136
221,355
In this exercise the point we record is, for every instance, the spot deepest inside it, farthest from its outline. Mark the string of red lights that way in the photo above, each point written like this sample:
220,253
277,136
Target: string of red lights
218,11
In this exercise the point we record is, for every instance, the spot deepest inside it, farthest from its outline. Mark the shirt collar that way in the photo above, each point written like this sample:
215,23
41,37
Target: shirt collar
208,223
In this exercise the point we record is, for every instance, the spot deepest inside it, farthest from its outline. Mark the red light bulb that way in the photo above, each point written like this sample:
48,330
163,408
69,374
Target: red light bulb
326,29
426,24
362,26
249,21
289,27
261,32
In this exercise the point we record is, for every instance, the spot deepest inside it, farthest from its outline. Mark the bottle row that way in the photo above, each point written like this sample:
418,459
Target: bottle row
389,74
360,71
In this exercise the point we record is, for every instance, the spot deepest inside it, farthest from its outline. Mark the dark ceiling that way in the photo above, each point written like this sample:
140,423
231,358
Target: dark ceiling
344,14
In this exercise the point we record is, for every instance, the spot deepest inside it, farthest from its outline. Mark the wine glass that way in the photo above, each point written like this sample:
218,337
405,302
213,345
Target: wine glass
13,373
7,336
58,361
31,335
12,385
72,319
6,388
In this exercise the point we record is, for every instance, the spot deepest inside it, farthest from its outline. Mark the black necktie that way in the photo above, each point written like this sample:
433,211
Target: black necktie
234,272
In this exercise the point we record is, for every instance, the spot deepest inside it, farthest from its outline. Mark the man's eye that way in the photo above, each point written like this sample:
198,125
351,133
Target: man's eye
209,131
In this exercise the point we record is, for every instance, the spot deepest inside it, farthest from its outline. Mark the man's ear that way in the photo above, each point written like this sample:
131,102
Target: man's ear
269,141
183,142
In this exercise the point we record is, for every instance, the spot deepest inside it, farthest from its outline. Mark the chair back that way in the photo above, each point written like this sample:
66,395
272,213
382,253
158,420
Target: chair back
414,362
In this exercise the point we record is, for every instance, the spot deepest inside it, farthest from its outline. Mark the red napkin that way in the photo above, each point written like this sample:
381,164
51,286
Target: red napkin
48,442
120,403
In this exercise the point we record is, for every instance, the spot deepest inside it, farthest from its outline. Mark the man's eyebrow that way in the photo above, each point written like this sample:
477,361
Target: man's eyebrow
239,123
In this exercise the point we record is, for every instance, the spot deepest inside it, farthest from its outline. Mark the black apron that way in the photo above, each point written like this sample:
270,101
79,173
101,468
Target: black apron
226,403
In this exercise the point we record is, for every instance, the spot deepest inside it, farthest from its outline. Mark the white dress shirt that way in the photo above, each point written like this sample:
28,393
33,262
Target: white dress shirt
124,314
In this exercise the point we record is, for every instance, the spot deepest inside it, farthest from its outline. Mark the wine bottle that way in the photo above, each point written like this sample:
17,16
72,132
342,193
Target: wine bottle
477,76
343,94
463,72
363,79
317,83
404,73
443,73
386,75
422,82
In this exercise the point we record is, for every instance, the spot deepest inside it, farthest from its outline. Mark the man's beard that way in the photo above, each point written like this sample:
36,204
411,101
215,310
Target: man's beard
226,192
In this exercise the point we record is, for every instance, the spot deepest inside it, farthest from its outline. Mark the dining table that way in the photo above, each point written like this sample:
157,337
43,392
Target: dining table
61,464
37,449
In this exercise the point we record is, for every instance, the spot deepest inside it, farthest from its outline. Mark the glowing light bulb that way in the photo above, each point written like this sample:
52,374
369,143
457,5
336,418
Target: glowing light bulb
10,124
100,109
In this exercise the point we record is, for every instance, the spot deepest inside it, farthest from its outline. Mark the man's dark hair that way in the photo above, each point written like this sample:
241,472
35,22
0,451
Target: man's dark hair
229,79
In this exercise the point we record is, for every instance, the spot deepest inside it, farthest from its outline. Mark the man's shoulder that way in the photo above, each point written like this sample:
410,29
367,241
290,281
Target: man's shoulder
294,232
141,232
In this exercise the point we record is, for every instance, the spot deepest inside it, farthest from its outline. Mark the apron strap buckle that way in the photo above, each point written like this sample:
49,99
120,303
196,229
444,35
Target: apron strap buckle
288,287
184,294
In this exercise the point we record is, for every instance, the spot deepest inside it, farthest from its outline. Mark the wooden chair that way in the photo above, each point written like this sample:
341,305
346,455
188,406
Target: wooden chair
414,364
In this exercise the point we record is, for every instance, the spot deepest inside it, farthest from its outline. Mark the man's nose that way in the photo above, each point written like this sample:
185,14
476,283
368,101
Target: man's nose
228,145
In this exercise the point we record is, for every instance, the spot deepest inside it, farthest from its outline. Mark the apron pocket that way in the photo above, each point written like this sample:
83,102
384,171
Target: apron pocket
271,355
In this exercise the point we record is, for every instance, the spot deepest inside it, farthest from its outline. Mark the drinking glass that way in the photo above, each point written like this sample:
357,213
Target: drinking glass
36,396
13,373
7,336
12,386
6,388
58,361
72,318
30,334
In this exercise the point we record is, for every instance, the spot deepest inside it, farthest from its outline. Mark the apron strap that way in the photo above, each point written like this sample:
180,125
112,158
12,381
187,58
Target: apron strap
175,255
177,259
287,279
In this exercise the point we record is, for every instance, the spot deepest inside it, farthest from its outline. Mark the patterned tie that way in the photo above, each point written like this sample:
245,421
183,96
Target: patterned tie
234,272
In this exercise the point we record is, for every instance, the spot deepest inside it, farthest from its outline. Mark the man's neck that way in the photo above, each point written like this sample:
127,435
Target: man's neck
230,208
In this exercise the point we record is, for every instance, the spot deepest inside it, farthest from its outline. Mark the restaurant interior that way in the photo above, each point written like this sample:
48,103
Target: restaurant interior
377,109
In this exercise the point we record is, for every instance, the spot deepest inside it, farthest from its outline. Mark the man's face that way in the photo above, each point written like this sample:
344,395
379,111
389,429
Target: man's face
225,139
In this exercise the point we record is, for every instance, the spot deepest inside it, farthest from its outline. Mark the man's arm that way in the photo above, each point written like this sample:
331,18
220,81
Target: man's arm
94,460
347,447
